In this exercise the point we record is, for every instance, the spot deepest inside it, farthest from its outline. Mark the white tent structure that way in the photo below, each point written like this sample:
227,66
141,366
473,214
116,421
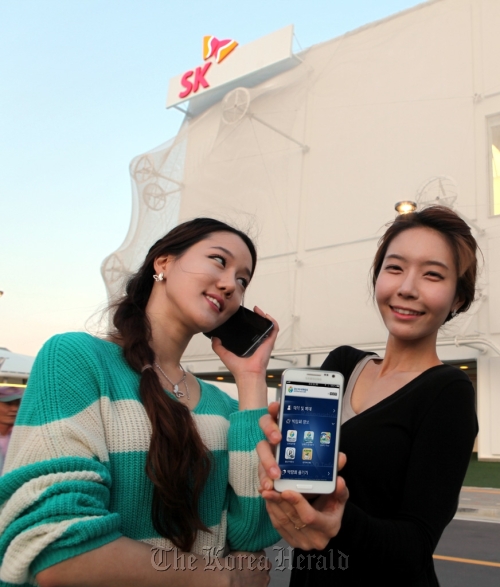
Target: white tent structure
14,368
311,158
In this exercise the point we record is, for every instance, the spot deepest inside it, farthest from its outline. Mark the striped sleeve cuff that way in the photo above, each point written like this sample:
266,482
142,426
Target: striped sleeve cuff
244,430
57,509
244,434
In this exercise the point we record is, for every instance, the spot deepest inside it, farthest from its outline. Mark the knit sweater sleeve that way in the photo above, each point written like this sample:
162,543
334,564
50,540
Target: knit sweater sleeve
55,491
249,526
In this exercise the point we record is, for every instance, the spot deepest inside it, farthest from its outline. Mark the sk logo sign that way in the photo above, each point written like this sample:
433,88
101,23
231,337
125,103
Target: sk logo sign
212,47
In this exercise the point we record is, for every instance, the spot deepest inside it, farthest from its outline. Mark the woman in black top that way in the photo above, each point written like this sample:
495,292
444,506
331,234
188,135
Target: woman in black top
408,427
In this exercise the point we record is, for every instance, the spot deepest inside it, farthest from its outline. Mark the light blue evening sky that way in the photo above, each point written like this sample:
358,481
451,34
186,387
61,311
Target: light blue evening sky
83,87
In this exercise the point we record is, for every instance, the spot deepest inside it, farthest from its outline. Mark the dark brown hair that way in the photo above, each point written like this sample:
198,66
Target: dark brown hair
459,237
178,462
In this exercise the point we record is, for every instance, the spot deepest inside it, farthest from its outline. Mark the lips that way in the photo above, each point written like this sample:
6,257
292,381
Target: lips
406,311
215,301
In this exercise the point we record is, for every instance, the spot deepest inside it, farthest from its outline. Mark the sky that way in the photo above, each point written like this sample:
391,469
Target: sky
83,90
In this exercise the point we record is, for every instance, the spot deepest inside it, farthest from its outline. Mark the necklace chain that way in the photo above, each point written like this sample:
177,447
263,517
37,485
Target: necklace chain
176,391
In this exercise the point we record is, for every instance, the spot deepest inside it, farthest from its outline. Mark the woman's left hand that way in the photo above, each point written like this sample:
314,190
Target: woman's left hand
250,372
303,524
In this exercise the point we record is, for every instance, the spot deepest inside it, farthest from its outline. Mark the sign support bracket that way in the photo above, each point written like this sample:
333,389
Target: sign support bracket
185,112
305,148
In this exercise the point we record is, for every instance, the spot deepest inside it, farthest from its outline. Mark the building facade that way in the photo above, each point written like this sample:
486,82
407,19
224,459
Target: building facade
312,159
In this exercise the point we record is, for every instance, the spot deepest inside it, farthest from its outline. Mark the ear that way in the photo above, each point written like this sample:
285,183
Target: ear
457,303
162,263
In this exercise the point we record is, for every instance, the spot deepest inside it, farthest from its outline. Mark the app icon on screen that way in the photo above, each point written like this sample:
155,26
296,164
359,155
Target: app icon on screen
309,436
291,436
325,437
289,453
307,454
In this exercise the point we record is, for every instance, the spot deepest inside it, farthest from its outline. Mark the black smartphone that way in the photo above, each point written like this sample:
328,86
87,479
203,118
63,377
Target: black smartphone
243,332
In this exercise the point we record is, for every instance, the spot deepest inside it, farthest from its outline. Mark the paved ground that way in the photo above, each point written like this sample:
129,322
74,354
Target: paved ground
279,578
468,553
479,504
469,550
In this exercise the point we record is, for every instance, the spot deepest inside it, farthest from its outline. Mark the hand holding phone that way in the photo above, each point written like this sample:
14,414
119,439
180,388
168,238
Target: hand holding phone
243,332
304,521
249,371
309,421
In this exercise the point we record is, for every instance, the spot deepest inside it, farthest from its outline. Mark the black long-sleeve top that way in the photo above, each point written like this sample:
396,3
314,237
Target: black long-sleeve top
406,460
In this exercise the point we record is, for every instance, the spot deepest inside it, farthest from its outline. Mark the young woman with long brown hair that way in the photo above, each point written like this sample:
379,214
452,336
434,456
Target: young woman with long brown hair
408,422
118,449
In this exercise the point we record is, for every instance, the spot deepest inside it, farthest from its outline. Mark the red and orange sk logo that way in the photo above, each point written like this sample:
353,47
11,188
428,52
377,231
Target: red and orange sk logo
221,49
212,47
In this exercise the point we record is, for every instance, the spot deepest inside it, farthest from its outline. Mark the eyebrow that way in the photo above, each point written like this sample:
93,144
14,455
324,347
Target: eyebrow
430,262
229,254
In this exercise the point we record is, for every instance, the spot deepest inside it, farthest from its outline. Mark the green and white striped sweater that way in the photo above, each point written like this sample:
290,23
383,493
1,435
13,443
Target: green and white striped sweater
74,475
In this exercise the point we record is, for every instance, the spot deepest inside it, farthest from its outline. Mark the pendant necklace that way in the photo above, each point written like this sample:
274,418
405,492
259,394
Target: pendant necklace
176,391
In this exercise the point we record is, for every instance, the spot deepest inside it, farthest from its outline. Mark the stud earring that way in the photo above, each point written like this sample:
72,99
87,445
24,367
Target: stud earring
158,277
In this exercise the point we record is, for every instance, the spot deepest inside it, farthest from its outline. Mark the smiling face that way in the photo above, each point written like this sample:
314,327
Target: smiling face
205,285
416,286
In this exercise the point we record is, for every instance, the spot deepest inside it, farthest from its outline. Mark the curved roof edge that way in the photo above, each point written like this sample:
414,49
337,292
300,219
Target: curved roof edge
15,365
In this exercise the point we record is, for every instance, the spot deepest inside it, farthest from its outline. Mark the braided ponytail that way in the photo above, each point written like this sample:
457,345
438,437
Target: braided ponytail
178,462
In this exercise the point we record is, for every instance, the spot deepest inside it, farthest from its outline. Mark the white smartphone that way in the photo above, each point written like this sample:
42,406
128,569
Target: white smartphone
309,420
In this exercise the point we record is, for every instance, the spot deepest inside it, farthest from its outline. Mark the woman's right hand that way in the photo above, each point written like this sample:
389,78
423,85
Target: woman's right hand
269,467
250,569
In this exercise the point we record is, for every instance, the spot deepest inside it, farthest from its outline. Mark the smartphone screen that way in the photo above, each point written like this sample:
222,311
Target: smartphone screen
310,417
243,332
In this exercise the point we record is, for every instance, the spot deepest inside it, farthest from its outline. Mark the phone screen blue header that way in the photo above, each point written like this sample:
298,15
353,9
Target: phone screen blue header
309,432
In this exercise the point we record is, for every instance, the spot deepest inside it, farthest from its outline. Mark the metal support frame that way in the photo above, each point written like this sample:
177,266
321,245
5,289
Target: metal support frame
186,113
252,116
159,175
